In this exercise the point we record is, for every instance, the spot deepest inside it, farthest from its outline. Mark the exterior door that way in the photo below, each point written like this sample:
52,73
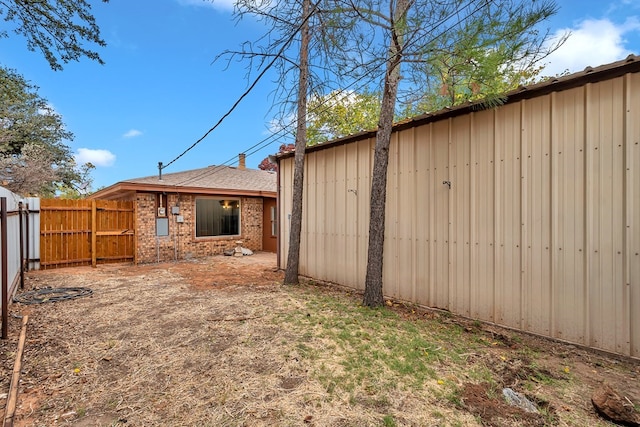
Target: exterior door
269,225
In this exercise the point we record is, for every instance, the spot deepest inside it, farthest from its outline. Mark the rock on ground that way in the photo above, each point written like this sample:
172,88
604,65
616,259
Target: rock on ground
615,407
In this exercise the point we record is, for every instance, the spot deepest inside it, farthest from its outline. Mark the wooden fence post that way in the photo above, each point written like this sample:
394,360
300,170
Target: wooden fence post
135,231
94,259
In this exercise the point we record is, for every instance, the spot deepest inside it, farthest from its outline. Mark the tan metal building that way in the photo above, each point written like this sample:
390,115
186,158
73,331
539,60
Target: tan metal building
526,215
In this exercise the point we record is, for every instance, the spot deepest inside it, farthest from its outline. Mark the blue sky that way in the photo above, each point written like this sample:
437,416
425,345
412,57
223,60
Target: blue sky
159,91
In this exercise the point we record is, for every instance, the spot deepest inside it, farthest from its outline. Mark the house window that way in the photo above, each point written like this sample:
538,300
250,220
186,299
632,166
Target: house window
216,217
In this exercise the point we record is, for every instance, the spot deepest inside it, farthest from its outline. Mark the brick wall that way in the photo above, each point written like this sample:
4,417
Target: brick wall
181,242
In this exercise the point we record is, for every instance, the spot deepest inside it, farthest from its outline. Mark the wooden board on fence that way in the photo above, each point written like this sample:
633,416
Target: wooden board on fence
86,232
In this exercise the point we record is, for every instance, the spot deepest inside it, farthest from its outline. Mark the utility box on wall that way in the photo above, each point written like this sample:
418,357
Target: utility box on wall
162,226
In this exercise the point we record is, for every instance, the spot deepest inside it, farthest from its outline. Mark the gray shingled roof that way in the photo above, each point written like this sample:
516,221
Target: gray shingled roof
219,177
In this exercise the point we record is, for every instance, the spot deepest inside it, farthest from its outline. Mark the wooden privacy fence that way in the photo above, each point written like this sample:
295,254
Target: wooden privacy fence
86,232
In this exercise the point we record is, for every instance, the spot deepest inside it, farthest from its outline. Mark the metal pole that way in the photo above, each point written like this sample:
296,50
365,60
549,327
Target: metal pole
28,238
5,281
21,245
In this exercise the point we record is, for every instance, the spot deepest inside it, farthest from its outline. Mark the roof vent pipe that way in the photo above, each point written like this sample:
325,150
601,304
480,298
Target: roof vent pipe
241,161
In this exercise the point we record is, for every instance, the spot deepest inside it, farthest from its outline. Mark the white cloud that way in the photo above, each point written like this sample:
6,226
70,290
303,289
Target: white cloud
222,5
132,133
284,125
592,42
95,157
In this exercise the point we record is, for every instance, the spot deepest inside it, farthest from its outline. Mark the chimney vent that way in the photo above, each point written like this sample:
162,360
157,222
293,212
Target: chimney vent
241,161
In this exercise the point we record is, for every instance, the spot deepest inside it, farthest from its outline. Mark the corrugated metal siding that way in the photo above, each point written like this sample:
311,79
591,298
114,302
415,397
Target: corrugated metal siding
13,254
539,231
632,207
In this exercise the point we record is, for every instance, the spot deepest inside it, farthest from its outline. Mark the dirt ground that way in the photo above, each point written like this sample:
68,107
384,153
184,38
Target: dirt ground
219,341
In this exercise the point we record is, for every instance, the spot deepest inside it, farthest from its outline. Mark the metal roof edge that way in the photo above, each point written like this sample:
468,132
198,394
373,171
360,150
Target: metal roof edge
631,64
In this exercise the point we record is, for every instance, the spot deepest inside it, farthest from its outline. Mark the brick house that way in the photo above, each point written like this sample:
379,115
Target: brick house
200,212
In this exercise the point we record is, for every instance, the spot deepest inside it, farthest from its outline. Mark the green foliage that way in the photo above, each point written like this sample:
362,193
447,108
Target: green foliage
495,50
339,114
78,184
26,117
389,421
58,29
482,59
33,157
335,115
451,52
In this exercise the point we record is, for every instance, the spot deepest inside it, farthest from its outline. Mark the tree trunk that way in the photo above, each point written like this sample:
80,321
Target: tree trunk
373,296
293,259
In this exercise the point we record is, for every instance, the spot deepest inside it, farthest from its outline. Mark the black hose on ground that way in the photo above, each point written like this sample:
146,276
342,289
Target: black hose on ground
43,295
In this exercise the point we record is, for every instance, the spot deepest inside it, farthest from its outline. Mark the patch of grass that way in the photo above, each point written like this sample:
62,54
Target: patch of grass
306,351
494,392
540,375
550,416
371,346
367,356
480,373
389,421
516,339
454,396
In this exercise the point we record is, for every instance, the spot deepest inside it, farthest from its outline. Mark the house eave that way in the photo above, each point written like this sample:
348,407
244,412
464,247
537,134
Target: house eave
128,189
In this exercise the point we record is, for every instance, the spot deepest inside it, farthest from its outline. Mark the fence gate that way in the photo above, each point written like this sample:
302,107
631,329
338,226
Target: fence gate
86,232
